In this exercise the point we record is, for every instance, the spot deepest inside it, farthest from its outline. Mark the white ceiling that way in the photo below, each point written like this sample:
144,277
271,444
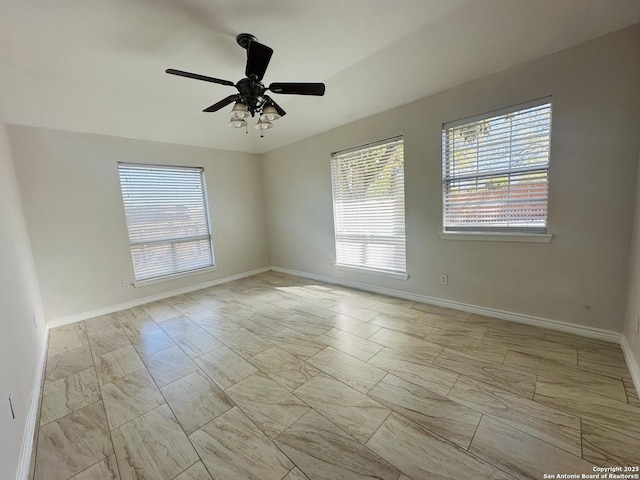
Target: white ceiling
98,66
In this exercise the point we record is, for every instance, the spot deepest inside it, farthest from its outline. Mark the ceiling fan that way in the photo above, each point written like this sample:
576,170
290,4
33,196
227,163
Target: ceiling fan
251,98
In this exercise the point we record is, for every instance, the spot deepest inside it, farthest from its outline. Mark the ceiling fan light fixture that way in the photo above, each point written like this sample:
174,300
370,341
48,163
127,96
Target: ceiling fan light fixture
269,114
239,110
237,123
263,125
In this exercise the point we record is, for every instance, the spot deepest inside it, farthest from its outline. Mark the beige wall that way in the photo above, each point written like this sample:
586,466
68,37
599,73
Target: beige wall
580,277
631,320
73,207
20,340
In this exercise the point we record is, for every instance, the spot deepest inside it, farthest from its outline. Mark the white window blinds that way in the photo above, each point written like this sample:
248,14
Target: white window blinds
167,219
368,206
496,170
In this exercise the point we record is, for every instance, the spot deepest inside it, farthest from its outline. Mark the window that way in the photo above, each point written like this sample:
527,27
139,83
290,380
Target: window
496,171
368,206
167,219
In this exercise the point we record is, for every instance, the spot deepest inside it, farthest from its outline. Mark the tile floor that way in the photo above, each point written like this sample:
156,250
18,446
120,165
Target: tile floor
277,377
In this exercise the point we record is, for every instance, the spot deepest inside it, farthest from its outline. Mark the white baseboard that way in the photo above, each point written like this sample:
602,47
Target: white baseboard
58,322
32,415
584,331
632,362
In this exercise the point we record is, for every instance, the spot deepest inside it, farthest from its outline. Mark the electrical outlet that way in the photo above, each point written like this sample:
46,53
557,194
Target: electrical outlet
444,279
13,414
126,284
257,257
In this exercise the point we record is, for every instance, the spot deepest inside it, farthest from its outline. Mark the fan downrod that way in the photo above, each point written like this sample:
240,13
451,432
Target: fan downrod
244,39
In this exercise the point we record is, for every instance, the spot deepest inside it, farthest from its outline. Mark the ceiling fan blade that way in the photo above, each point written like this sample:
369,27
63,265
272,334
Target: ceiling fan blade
222,103
258,57
298,88
278,108
196,76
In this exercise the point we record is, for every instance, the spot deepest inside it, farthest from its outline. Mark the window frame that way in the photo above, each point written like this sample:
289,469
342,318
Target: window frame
361,268
535,234
175,239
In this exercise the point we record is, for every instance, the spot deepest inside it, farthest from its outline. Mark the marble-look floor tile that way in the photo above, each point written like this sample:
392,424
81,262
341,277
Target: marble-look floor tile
196,472
152,342
549,424
583,343
232,447
195,311
296,343
72,444
153,446
169,365
453,325
425,456
488,352
114,365
324,452
68,395
349,409
359,313
599,409
129,397
347,369
195,400
225,367
606,447
305,325
501,376
406,343
410,368
101,325
271,407
396,311
632,394
245,343
437,310
286,369
532,345
106,469
67,363
591,382
611,365
197,343
522,455
296,474
135,322
350,344
362,330
160,311
68,337
108,340
408,327
449,419
179,325
217,325
258,324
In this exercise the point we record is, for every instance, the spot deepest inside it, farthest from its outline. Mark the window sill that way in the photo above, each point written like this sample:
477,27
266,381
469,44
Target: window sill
381,273
166,278
498,237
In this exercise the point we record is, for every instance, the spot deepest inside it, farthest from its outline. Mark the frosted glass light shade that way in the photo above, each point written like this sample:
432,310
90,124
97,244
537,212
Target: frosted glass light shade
239,110
263,125
269,114
237,123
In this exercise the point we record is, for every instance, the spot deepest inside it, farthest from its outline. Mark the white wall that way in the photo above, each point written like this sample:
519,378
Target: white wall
20,340
75,217
580,277
631,330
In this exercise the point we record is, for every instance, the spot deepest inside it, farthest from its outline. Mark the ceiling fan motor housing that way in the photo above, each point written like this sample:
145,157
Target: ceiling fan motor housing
251,94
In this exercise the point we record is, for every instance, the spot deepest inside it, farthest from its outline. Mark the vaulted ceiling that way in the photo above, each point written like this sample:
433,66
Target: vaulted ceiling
98,66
